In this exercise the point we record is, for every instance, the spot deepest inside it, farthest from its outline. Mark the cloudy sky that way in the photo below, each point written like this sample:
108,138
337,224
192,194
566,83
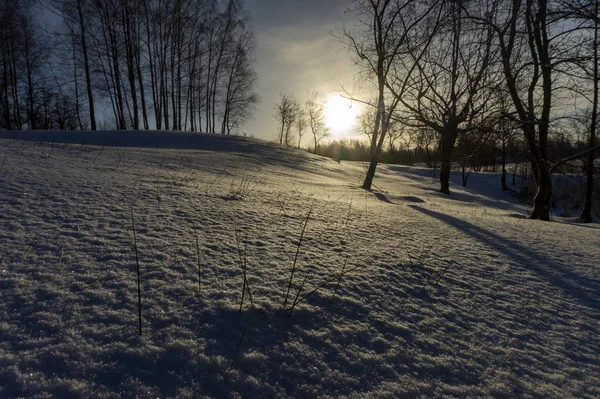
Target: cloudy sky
296,53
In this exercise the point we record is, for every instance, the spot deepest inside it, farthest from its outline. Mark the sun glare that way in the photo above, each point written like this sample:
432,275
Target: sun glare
340,115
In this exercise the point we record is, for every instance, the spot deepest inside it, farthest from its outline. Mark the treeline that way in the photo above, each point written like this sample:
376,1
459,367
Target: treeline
172,65
491,155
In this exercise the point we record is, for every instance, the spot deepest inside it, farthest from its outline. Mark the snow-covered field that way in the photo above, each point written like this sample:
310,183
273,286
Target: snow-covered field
457,296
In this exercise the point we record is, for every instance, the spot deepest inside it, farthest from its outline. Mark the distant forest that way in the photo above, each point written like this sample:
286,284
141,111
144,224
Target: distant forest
173,65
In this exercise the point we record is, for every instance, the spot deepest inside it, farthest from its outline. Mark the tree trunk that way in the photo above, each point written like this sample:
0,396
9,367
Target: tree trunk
586,214
543,197
368,182
15,89
30,97
446,146
6,101
503,179
223,46
130,61
370,173
76,82
174,44
120,103
86,66
465,174
141,85
180,44
445,175
153,73
207,127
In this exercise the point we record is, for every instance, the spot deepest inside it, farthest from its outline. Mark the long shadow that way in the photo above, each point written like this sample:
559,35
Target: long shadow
399,199
426,182
587,226
382,197
581,288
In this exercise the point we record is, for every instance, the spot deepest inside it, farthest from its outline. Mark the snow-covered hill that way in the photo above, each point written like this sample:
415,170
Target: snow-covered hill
439,296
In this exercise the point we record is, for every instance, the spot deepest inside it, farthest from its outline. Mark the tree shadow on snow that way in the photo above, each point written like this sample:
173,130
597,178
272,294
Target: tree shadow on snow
581,288
382,197
386,198
424,180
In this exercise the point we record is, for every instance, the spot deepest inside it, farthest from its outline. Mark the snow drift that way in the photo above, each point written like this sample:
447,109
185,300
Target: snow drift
400,292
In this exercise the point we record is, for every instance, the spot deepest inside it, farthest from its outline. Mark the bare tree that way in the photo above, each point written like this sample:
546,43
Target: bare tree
300,124
11,40
450,86
505,130
286,113
427,142
396,129
240,96
376,48
33,56
23,76
366,122
530,43
130,33
382,40
587,13
316,120
76,16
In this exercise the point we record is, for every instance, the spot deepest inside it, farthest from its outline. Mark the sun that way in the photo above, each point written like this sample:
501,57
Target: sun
340,115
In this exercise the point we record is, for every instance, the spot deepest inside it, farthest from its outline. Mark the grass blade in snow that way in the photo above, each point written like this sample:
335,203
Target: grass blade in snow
137,263
287,294
237,349
198,257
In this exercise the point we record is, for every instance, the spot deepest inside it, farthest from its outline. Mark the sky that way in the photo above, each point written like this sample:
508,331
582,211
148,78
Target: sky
297,53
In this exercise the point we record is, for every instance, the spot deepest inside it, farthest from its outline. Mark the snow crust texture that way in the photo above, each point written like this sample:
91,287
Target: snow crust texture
439,296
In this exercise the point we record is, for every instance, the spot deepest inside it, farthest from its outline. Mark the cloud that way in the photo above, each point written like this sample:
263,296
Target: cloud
286,13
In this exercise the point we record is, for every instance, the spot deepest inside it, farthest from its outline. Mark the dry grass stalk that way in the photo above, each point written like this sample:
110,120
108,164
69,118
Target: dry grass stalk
296,256
137,262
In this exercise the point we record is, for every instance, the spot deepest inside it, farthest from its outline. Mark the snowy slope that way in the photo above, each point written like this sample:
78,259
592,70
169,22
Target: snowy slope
457,296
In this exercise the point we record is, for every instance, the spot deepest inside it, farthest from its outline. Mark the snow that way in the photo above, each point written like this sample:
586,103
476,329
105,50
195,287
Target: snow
442,296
